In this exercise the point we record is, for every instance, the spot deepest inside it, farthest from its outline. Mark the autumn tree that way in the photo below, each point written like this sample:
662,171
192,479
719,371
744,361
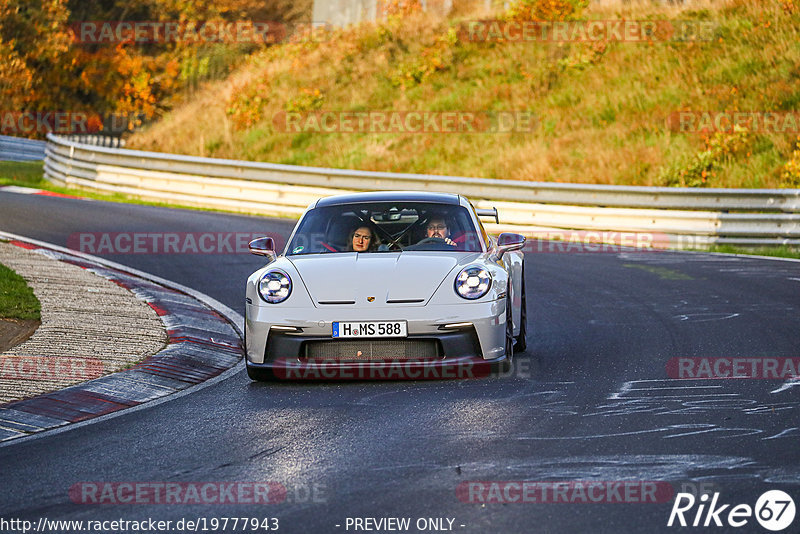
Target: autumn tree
33,38
43,67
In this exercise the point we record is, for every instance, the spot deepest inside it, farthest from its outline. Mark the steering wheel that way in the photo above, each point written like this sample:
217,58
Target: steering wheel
437,240
432,243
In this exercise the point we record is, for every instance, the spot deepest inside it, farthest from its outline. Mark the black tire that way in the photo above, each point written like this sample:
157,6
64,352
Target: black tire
261,375
258,375
522,339
509,332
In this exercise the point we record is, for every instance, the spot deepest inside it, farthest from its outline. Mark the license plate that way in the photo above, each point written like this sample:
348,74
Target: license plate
371,329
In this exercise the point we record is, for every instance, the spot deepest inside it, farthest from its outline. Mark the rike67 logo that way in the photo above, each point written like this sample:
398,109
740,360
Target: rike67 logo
774,511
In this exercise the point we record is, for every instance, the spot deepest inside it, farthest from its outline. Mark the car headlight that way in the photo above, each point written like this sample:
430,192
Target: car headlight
275,286
473,282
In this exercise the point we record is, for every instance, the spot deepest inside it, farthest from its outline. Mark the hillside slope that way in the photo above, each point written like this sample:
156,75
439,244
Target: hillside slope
601,108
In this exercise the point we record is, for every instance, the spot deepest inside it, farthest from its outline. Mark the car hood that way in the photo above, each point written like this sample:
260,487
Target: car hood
392,278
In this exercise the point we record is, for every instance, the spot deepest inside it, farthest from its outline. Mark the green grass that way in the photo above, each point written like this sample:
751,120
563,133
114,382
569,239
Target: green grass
601,110
661,272
17,300
22,173
778,252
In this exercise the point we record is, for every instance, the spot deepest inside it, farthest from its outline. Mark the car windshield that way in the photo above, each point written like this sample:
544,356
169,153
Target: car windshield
385,227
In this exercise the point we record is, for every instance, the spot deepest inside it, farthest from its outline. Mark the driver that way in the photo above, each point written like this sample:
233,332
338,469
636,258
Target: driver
437,227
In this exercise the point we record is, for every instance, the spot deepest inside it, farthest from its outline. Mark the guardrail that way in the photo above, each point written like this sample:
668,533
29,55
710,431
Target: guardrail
98,140
21,149
687,218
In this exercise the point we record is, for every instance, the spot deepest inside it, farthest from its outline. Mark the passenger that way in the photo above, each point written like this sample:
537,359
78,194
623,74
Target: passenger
437,227
362,239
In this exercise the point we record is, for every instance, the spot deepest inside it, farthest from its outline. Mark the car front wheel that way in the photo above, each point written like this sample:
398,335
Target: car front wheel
509,331
522,339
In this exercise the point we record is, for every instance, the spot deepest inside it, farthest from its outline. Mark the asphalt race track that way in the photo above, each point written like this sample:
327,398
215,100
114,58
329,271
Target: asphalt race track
590,400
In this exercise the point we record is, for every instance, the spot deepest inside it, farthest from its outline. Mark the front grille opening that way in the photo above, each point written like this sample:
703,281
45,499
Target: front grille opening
373,349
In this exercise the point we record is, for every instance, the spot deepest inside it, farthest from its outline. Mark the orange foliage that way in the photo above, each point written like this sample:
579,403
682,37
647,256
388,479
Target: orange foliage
399,7
546,9
43,67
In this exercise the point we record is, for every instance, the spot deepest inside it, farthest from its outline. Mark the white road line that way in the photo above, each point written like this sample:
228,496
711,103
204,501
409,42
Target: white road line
20,190
786,385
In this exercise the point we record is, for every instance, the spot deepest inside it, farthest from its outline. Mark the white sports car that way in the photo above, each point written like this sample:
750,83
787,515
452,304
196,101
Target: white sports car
386,285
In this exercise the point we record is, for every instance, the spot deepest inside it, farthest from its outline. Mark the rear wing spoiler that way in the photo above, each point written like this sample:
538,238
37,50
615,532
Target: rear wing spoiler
488,212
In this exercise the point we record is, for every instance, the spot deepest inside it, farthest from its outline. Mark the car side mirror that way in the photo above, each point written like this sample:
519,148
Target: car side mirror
263,246
508,242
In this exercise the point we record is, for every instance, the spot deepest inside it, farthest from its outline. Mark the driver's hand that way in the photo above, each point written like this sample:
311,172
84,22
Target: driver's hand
450,242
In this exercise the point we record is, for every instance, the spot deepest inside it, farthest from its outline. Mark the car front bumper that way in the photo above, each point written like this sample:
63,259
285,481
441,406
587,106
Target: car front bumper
446,368
464,336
